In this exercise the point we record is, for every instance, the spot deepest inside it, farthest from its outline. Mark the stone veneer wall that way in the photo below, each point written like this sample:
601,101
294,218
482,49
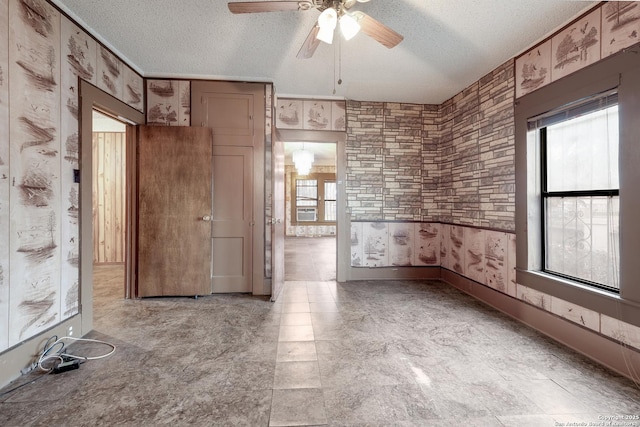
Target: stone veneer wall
384,161
365,125
477,154
452,163
467,192
431,171
402,162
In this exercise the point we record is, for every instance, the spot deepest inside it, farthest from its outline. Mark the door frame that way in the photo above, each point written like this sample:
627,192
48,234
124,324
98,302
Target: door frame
343,245
93,98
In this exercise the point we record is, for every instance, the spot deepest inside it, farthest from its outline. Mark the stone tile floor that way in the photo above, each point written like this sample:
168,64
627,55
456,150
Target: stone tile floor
388,353
310,258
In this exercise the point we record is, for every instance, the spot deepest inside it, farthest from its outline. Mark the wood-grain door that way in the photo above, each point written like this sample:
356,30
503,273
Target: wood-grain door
174,209
232,222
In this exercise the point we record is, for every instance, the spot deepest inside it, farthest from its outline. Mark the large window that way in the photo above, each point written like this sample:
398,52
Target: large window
579,187
314,199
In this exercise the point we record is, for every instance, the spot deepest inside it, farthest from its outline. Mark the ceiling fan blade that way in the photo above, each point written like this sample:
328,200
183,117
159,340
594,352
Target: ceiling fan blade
310,44
378,31
268,6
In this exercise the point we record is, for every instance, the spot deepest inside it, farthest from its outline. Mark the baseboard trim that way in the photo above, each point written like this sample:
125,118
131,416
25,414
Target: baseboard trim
391,273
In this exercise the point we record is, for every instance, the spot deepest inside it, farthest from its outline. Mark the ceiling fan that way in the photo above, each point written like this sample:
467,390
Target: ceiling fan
333,12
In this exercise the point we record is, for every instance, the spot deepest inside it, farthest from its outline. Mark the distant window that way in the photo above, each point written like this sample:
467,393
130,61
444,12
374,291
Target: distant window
579,185
330,202
306,192
314,199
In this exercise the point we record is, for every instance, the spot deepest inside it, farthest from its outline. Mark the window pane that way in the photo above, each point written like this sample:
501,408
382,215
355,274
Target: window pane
330,190
582,153
306,192
330,209
330,206
583,239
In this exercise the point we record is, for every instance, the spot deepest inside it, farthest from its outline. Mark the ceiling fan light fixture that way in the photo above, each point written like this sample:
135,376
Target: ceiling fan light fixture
327,22
349,26
325,35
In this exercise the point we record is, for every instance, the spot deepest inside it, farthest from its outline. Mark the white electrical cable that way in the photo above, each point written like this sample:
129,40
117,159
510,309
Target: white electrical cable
45,356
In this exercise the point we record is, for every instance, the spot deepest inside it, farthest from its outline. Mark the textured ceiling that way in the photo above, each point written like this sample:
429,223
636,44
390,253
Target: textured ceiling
448,44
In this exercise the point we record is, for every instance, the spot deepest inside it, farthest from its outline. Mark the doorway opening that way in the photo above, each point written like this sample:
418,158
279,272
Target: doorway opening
109,184
311,211
92,98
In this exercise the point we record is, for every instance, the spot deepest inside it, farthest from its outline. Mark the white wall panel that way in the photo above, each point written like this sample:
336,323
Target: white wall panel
34,69
4,176
401,244
495,260
375,244
427,244
474,247
79,56
133,91
356,244
110,76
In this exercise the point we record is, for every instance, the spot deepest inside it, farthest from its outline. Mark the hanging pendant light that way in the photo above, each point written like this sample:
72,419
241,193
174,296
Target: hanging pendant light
303,160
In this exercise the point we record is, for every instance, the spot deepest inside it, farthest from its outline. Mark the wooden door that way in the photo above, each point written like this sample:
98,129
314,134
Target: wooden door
278,220
232,219
174,203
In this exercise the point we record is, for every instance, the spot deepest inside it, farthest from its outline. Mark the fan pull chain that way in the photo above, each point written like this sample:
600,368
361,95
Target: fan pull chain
334,70
339,61
337,52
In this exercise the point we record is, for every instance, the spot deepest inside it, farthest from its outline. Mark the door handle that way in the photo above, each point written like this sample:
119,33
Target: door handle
206,218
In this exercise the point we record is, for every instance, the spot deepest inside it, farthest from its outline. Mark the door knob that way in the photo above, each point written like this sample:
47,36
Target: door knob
206,218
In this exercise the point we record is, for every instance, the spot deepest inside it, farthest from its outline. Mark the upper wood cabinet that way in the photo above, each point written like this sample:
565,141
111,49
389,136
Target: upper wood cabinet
234,111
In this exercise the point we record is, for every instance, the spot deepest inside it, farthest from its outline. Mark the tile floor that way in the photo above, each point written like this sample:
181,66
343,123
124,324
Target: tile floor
388,353
310,258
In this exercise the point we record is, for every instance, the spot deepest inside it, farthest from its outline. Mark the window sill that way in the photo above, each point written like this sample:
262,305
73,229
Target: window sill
598,300
317,224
